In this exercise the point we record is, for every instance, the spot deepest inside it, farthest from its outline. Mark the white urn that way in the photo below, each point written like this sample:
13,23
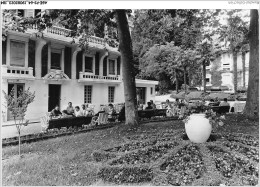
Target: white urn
198,128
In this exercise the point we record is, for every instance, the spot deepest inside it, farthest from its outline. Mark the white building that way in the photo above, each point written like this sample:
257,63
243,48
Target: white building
59,72
223,68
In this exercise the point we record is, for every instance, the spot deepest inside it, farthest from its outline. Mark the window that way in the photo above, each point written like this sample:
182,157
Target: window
17,53
88,64
111,94
151,90
88,94
226,69
20,13
37,13
111,67
207,80
55,60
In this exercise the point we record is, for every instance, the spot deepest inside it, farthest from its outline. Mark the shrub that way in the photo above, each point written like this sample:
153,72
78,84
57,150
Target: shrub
126,174
99,156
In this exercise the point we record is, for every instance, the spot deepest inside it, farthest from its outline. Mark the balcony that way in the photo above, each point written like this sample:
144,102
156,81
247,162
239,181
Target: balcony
14,72
59,31
86,77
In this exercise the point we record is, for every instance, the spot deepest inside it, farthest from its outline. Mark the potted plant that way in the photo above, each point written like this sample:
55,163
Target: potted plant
198,126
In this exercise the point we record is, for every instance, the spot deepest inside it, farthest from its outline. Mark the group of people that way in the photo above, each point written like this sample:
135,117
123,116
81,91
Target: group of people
86,111
216,102
150,105
71,111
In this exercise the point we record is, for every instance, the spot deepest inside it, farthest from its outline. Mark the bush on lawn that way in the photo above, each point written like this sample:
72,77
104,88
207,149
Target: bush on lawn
99,156
126,174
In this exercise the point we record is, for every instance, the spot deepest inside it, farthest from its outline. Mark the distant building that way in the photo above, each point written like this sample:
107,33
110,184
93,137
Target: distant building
60,72
220,71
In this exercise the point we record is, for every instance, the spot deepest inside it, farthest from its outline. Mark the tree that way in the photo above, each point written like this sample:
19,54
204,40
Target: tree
234,33
17,105
125,44
252,103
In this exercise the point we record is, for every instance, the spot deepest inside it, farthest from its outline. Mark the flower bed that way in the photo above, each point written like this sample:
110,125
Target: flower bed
183,167
118,174
145,155
229,164
249,152
131,146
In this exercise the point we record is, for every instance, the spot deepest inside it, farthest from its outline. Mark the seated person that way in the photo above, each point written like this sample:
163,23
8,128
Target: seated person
177,103
111,113
149,106
152,104
140,107
77,112
56,112
224,103
168,104
121,116
84,112
69,110
217,101
213,103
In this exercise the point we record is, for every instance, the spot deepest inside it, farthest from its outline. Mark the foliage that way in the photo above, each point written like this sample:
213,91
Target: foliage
17,105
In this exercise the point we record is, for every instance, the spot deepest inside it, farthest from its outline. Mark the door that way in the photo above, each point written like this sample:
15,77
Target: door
141,95
17,88
54,96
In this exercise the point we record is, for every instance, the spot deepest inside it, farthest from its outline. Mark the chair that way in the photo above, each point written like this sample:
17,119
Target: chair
239,107
101,119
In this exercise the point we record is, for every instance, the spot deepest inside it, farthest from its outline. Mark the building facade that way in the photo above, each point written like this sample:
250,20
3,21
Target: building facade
60,72
220,72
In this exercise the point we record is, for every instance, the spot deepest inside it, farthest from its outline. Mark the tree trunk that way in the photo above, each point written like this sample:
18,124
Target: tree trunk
252,103
235,71
176,80
185,81
189,76
244,68
127,68
204,75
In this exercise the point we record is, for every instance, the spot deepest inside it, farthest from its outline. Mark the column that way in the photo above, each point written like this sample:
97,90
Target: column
74,61
83,62
8,51
62,59
38,57
49,58
26,54
101,62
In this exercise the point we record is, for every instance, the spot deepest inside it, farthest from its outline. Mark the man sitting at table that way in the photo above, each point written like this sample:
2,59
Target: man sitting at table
56,112
111,113
70,110
149,106
152,104
77,112
224,103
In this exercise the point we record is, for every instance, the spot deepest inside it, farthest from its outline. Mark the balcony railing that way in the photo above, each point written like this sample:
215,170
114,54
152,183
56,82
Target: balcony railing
58,31
17,72
98,78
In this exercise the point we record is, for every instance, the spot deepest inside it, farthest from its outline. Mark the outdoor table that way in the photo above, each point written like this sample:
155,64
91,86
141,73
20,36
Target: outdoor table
69,121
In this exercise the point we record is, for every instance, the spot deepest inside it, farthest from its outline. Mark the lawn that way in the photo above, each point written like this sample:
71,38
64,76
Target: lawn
154,154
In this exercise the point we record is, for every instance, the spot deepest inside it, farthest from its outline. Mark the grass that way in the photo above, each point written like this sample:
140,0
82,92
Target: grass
68,161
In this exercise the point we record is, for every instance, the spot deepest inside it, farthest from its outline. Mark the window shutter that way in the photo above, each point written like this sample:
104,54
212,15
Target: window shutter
44,60
105,66
118,65
78,64
30,13
97,63
3,52
31,59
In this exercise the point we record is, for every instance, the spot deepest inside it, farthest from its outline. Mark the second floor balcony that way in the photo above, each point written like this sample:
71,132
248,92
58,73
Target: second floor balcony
60,32
85,77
